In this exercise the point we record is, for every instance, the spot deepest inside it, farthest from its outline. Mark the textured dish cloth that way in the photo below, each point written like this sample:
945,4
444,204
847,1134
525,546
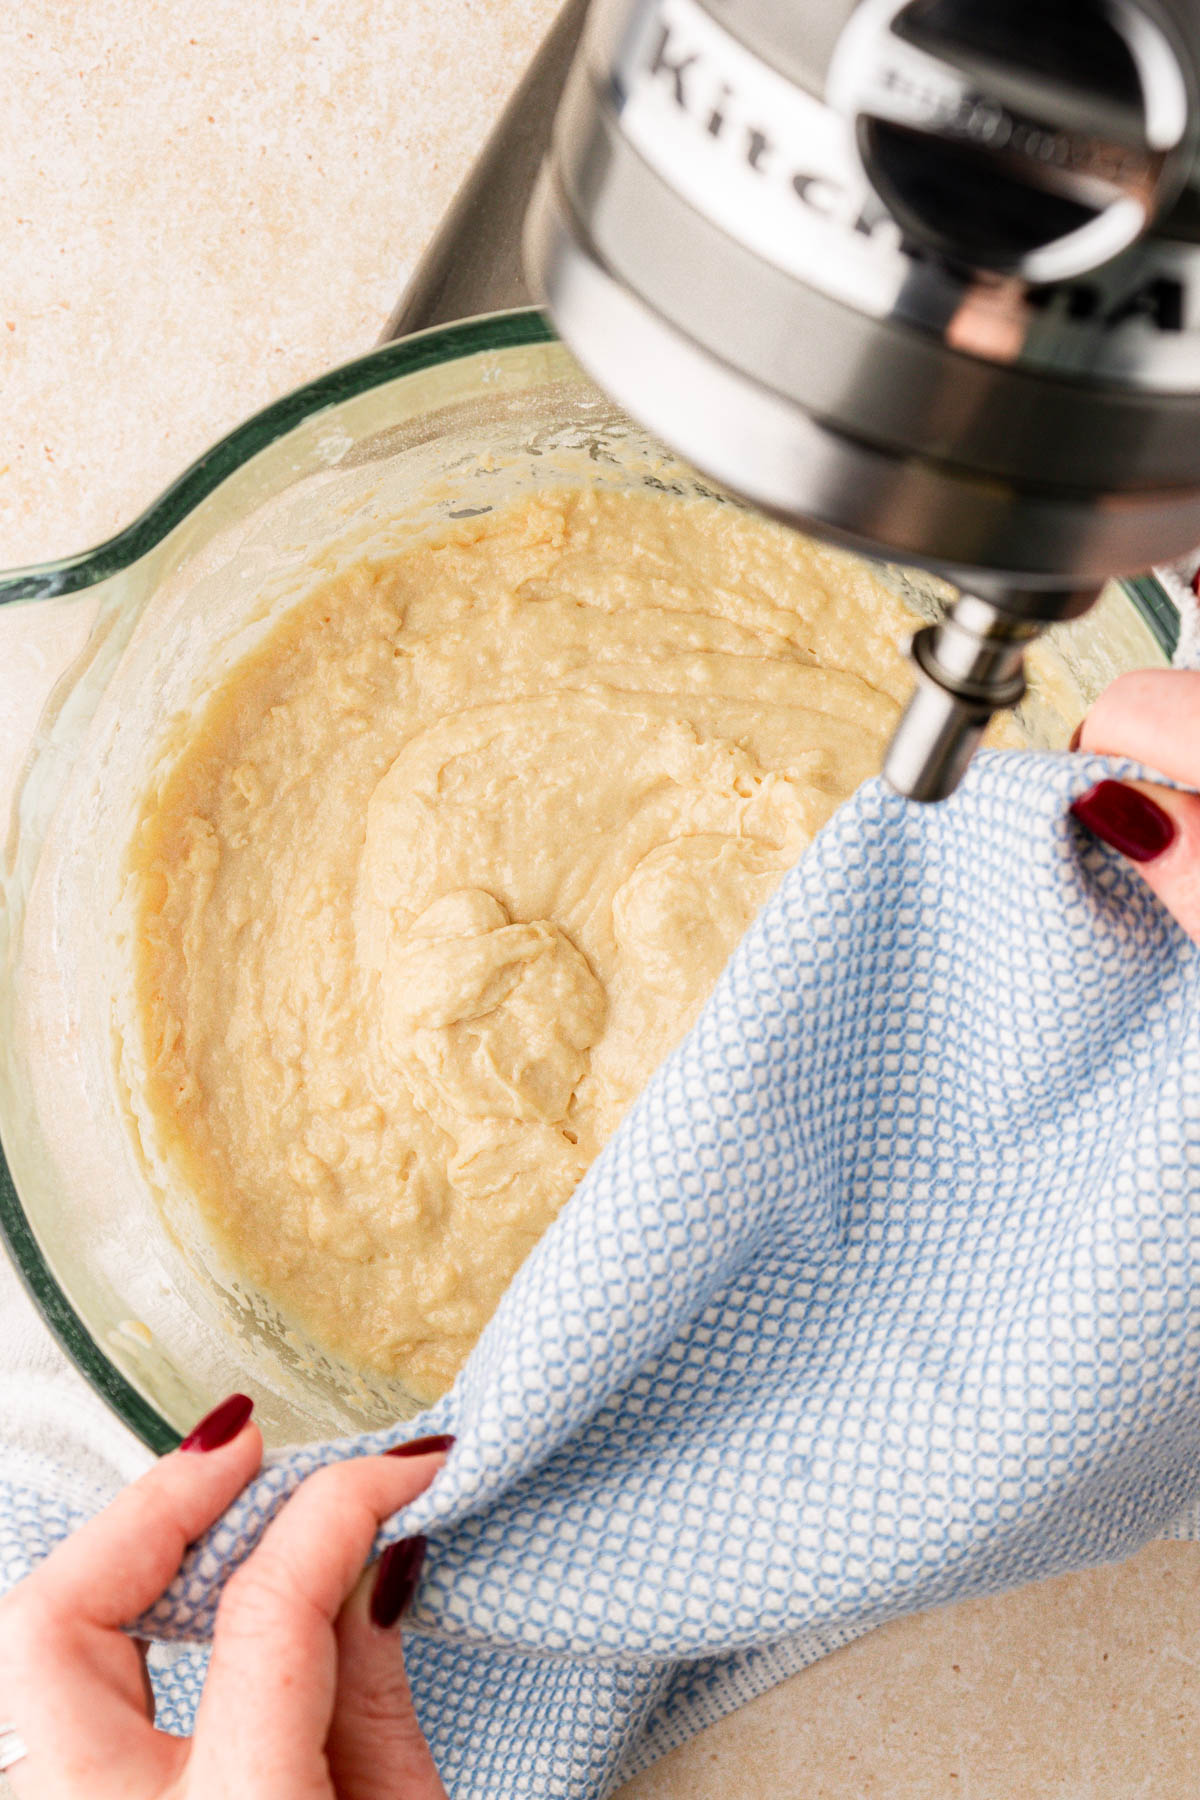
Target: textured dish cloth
884,1294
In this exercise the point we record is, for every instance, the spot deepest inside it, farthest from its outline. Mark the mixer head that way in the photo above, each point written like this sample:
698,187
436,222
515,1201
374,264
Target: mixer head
921,276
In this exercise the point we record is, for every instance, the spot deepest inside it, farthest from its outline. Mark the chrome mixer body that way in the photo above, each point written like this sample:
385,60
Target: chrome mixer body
921,276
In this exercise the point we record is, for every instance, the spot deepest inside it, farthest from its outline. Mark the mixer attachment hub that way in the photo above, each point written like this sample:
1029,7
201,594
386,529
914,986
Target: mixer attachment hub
968,667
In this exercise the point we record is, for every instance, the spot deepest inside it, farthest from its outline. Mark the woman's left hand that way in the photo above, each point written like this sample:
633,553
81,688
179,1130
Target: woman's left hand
306,1696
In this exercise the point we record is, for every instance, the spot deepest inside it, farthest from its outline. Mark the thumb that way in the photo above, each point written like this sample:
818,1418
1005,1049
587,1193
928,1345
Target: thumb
375,1748
1158,829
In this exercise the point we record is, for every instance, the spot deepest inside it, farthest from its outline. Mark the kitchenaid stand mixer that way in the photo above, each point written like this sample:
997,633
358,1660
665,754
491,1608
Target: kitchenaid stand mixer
920,276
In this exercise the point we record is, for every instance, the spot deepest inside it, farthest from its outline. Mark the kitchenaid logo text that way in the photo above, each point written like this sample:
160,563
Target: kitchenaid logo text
777,169
704,95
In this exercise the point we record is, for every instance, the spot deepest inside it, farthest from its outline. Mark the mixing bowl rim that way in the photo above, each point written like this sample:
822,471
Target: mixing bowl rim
406,356
423,350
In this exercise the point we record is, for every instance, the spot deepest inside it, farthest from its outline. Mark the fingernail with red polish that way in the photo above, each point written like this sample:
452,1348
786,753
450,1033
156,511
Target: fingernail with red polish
221,1425
426,1446
1127,819
396,1581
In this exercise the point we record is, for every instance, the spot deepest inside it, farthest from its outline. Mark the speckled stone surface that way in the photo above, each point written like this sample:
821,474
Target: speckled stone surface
198,213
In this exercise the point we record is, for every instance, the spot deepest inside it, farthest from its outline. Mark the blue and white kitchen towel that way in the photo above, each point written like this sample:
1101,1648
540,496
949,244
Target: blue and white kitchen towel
884,1294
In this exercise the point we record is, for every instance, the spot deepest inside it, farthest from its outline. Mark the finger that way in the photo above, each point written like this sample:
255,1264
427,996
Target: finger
86,1713
376,1747
1152,716
75,1685
268,1701
118,1564
1158,829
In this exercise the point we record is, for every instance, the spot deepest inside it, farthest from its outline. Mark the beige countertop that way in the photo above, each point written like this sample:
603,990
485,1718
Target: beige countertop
199,213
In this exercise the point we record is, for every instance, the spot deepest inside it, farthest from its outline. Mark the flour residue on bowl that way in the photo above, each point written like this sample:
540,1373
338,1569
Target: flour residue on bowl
453,859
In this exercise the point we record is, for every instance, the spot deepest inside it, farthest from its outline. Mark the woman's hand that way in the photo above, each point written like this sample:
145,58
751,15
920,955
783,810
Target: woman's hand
306,1696
1152,716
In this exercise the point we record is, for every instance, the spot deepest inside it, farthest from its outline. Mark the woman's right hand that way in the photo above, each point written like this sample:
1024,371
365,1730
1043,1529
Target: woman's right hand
1152,716
306,1696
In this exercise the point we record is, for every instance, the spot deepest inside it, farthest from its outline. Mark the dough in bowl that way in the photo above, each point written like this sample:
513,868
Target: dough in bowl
454,859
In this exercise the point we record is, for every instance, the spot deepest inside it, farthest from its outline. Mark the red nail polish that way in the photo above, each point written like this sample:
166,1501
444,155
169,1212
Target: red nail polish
221,1425
396,1580
426,1446
1127,819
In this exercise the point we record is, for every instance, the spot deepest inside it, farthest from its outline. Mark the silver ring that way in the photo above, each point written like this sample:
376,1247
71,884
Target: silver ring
13,1748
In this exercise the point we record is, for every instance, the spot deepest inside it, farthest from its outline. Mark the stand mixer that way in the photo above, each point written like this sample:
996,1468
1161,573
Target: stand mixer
919,276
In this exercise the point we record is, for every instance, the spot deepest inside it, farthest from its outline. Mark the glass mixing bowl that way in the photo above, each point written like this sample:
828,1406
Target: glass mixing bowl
434,427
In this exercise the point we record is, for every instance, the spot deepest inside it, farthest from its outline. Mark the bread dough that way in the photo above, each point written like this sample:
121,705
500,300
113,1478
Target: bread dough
452,861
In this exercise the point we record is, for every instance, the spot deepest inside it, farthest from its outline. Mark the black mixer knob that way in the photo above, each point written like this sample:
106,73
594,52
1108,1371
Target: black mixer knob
1035,138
